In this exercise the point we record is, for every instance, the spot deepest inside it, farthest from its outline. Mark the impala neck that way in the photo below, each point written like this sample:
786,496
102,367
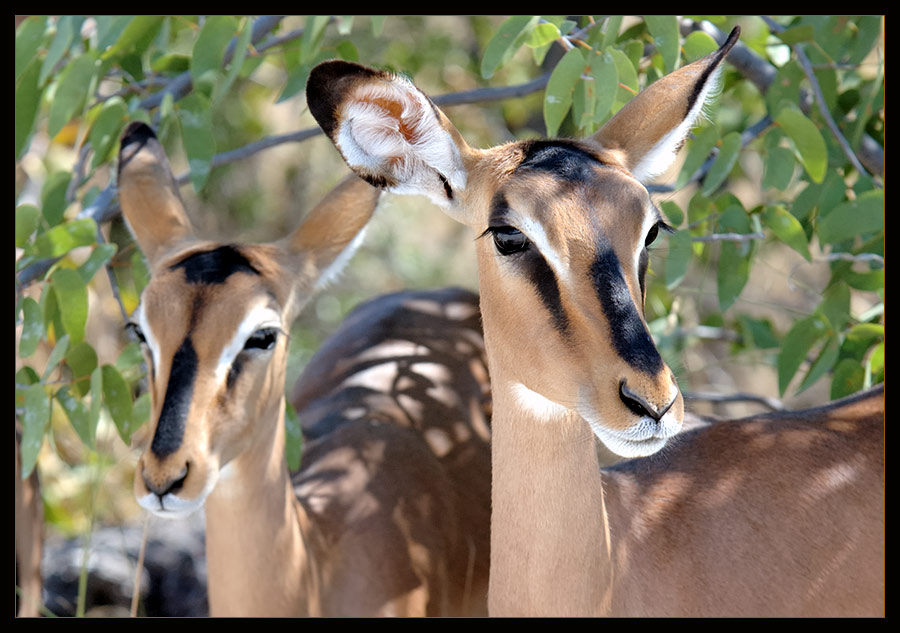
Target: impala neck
259,561
549,522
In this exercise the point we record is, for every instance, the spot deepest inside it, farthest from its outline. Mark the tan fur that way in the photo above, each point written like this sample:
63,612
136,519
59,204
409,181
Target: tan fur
781,515
379,520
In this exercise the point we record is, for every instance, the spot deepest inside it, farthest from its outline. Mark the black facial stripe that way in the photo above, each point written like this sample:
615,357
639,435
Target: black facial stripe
629,336
170,428
544,281
499,210
215,266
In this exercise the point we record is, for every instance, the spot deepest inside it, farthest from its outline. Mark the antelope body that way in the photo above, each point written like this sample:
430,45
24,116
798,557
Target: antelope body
778,515
383,517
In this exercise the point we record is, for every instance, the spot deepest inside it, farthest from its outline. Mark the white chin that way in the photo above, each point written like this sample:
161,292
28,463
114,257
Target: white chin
630,448
170,506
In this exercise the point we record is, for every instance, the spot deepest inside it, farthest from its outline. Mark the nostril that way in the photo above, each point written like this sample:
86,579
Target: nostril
167,486
637,405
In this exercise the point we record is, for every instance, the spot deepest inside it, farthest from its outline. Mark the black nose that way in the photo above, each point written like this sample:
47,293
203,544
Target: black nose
639,406
163,488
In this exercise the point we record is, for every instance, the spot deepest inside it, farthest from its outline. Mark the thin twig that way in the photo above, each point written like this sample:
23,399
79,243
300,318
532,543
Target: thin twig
728,237
771,403
136,593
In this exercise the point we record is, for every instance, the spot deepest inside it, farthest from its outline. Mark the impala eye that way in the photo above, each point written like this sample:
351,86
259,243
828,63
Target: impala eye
264,339
509,240
136,331
652,235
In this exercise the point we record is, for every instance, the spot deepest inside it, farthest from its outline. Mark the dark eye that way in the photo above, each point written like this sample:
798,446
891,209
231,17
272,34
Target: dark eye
651,235
509,240
135,331
264,339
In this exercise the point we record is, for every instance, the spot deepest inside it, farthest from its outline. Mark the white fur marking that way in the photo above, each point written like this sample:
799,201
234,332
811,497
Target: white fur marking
259,316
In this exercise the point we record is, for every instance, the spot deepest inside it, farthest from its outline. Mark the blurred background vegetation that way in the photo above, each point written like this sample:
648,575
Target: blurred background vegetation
773,285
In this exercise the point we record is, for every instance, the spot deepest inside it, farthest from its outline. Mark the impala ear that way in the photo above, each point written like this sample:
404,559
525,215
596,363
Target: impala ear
148,193
647,133
389,132
330,234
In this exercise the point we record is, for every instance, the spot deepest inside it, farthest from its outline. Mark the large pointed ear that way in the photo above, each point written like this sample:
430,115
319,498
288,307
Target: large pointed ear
389,132
330,233
647,133
148,193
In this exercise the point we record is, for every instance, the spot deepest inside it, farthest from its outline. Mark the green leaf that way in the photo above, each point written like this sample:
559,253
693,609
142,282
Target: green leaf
129,357
293,443
673,212
543,34
56,356
35,420
511,35
347,51
72,297
28,101
209,52
606,84
628,79
875,367
63,238
796,346
664,29
824,363
32,327
197,136
835,305
856,217
849,377
779,168
699,150
558,95
28,218
106,128
25,377
71,92
788,229
697,45
807,140
724,162
734,257
79,416
313,32
136,36
757,333
82,360
53,197
101,254
797,34
237,61
296,81
29,36
117,396
66,28
679,257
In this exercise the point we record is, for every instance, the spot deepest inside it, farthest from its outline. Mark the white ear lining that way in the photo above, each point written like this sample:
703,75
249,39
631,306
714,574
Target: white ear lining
412,151
663,154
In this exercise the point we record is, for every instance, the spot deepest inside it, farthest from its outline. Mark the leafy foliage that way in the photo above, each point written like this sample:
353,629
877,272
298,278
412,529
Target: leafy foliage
790,123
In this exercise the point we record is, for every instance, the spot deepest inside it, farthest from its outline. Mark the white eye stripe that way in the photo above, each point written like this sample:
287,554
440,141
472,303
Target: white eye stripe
258,317
534,231
149,337
650,219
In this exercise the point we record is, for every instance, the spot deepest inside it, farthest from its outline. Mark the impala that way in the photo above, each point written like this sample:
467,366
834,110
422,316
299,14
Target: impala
772,515
389,512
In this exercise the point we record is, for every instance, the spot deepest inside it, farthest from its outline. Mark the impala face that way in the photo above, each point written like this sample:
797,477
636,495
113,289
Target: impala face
565,253
213,324
564,228
216,358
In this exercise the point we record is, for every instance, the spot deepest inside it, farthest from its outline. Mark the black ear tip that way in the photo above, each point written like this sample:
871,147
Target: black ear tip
137,132
732,39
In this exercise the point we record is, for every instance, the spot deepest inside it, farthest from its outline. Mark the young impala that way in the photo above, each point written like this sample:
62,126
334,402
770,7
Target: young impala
389,513
769,515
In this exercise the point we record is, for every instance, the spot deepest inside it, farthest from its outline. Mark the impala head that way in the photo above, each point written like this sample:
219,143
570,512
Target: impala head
564,228
213,322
